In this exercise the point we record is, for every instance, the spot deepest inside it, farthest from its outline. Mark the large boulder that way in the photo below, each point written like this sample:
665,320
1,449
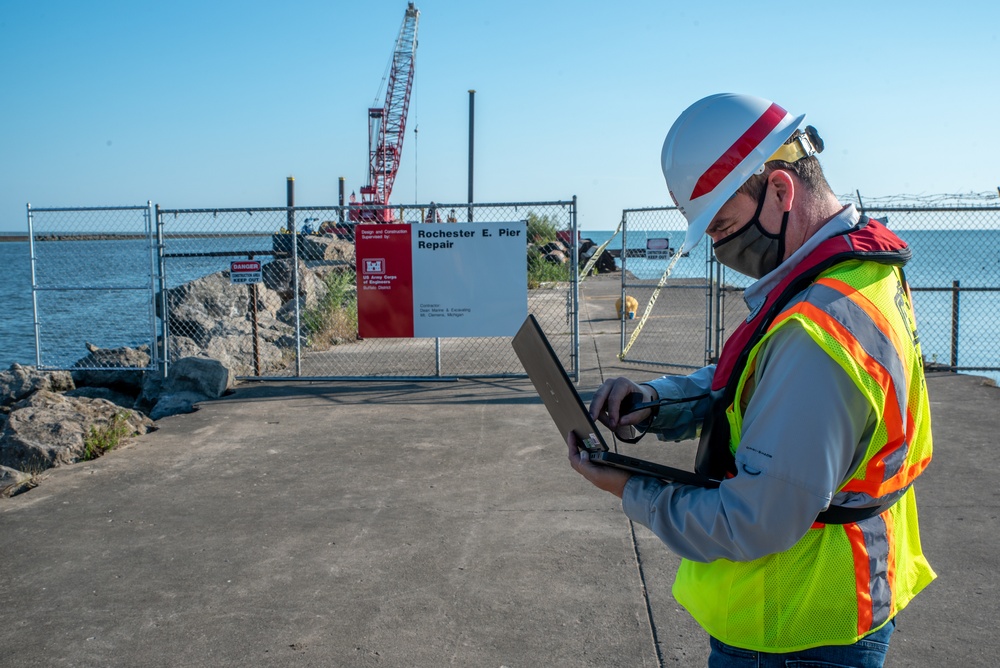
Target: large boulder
119,369
18,382
175,403
210,317
190,380
48,429
279,277
205,376
207,307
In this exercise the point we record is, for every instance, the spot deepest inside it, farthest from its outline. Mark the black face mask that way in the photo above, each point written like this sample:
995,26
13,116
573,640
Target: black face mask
752,250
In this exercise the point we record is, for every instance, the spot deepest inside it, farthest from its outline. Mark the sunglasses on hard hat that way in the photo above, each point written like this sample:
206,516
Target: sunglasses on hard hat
802,144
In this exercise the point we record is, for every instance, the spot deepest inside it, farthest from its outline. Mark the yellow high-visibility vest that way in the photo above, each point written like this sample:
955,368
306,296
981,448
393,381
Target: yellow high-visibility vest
839,582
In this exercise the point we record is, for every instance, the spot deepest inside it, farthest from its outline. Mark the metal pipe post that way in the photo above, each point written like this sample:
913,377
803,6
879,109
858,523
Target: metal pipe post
290,198
34,288
576,291
295,296
256,333
955,297
162,270
472,142
624,257
340,211
150,242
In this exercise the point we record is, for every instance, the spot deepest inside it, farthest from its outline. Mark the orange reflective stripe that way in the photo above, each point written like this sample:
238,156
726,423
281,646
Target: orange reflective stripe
862,576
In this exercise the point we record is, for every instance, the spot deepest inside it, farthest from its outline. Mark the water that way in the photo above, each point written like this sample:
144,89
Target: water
90,291
115,317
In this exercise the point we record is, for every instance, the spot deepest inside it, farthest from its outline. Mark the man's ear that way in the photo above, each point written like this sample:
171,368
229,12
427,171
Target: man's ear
783,187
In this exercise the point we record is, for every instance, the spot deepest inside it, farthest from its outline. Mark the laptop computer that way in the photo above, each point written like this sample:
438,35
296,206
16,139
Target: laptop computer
569,413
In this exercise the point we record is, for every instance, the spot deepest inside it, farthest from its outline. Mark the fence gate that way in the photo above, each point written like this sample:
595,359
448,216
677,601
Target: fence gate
677,331
92,282
301,320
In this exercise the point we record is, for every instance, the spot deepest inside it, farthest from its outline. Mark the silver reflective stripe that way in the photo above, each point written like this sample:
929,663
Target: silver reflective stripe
862,500
876,539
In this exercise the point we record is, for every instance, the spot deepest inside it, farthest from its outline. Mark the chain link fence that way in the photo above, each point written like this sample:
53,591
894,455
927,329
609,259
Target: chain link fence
111,277
92,287
954,275
301,321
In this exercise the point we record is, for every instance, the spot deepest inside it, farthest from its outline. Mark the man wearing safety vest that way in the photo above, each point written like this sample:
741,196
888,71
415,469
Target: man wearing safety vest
815,421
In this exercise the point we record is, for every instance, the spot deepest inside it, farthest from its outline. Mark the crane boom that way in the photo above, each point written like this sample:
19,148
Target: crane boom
387,125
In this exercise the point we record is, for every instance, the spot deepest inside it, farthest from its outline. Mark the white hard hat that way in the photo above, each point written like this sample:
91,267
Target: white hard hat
714,147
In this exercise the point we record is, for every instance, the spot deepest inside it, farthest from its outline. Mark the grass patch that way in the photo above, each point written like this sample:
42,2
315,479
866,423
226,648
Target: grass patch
106,438
541,270
335,318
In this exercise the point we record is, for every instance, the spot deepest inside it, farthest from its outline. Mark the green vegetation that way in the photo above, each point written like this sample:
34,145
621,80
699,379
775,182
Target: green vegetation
106,438
335,318
541,270
542,230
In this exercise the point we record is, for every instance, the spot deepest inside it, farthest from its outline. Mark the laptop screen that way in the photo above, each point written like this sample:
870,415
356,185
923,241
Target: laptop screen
554,386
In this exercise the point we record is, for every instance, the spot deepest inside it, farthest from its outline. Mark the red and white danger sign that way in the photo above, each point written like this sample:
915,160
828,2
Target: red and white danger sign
245,271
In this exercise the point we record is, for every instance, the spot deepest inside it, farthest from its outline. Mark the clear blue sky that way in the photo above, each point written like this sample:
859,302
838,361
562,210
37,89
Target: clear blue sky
214,104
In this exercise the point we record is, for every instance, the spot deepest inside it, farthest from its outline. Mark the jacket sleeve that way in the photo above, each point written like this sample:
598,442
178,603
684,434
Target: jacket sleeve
805,428
682,420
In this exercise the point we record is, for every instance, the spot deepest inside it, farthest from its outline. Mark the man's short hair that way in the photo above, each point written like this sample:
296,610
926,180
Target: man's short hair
808,171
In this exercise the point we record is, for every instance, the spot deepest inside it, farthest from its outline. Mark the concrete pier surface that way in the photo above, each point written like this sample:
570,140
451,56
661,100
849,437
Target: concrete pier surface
419,524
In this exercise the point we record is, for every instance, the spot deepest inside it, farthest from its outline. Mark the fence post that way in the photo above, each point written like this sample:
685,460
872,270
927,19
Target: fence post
154,351
162,271
575,291
34,288
955,299
290,202
256,332
624,273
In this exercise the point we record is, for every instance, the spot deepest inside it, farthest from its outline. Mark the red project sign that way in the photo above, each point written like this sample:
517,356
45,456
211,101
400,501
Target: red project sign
385,280
424,280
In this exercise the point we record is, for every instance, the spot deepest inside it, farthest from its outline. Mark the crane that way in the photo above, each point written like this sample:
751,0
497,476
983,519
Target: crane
386,128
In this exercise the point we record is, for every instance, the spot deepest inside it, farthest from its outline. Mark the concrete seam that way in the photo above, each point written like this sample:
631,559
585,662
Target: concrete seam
645,596
654,636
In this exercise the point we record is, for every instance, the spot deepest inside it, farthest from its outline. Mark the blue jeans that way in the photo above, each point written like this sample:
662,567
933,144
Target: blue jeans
869,652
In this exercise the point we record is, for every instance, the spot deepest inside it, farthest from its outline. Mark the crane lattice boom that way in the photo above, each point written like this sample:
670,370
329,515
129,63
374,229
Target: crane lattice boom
387,124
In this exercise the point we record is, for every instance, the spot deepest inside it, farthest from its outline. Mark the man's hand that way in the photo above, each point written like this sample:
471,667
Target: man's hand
607,401
604,477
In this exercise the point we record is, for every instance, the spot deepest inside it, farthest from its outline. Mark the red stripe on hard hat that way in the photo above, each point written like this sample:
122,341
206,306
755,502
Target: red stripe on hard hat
740,149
